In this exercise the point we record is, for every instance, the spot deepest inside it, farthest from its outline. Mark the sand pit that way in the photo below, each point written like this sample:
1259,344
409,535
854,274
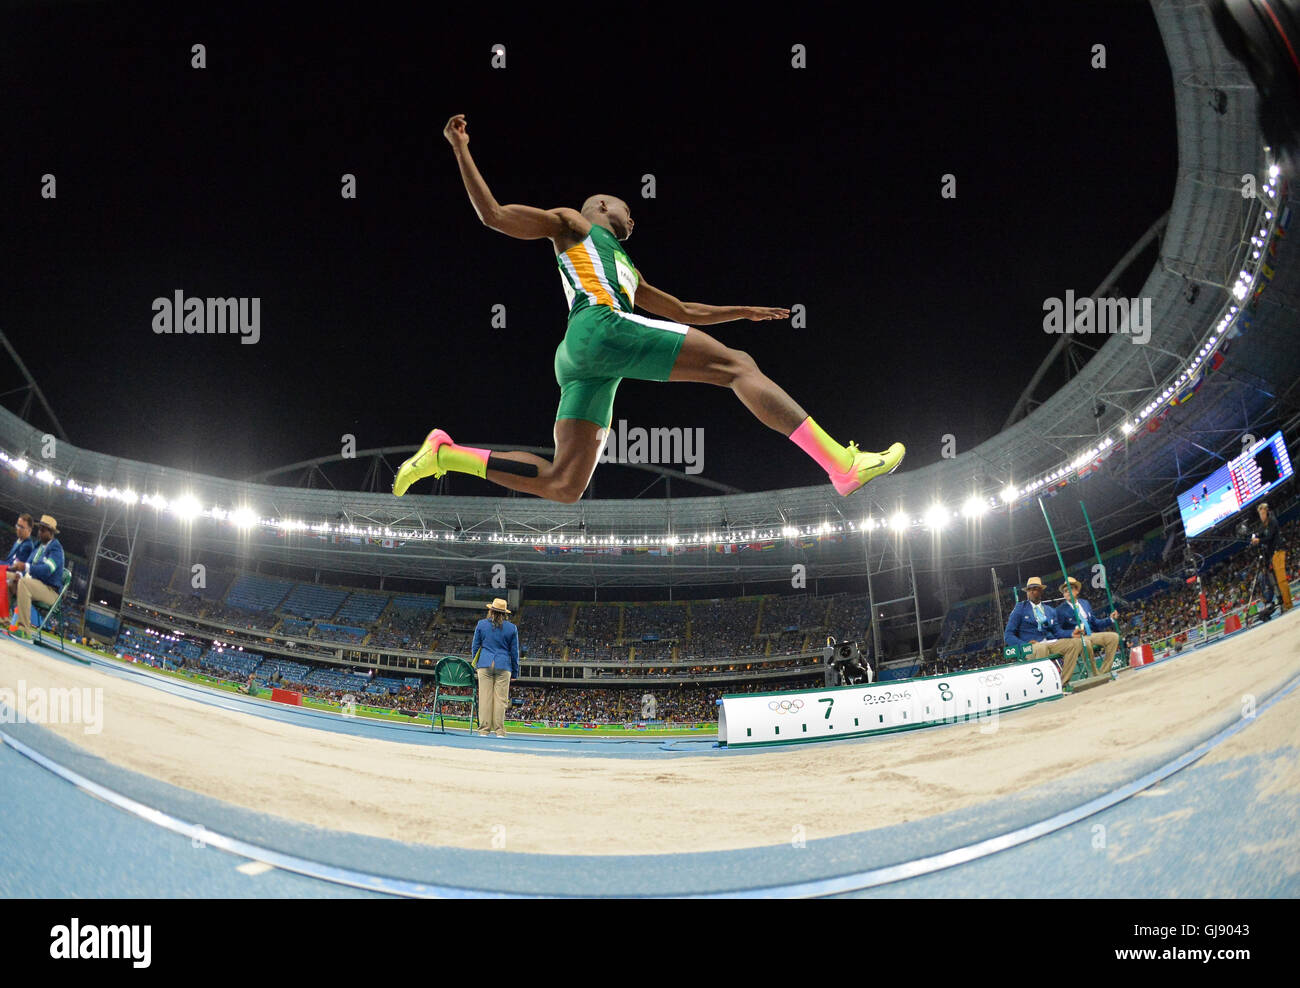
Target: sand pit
554,804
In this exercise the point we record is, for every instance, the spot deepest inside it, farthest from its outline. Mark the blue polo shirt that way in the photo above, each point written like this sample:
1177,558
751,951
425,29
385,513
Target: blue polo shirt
500,646
21,552
46,564
1067,620
1029,622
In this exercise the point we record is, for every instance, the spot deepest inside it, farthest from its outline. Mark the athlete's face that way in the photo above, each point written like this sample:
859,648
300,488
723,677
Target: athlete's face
620,218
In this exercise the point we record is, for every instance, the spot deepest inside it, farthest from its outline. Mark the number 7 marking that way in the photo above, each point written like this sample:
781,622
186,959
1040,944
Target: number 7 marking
830,702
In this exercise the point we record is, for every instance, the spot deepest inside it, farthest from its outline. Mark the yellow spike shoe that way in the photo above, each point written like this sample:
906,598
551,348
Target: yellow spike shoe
423,464
866,467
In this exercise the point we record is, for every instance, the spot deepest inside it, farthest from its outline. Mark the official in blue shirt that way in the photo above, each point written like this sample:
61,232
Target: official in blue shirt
1093,630
42,574
496,657
22,550
1033,622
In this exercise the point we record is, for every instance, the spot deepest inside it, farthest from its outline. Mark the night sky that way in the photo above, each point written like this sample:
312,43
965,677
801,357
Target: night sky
775,186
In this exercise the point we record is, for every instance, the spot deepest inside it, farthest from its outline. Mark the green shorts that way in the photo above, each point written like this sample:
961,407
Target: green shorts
601,347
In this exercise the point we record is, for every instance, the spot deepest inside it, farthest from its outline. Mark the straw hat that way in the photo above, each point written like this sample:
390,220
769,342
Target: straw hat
1071,582
49,522
499,605
1034,581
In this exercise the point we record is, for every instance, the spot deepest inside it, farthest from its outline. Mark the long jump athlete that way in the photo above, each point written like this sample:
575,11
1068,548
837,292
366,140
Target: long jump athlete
606,342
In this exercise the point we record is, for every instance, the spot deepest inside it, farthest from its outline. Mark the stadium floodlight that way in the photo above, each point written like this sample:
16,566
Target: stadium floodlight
19,465
936,516
790,532
45,475
1009,493
186,507
899,522
974,507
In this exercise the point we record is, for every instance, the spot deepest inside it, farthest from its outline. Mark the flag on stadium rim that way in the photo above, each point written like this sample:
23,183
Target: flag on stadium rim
1192,386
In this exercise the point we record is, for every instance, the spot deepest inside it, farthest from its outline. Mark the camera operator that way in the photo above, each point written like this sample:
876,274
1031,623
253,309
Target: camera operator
1269,540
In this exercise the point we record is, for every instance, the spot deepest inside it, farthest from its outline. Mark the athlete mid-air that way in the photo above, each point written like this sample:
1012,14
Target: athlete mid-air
606,342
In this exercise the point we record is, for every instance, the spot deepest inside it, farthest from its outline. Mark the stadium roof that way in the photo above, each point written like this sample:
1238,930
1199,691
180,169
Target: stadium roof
1203,290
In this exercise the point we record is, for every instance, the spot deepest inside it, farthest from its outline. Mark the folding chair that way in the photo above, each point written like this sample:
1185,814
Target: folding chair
52,611
454,671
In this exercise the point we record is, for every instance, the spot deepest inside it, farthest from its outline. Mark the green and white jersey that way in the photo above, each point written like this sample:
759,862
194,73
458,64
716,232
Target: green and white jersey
595,271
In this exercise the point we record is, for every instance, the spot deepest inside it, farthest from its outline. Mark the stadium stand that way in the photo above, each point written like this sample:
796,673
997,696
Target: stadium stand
312,601
255,592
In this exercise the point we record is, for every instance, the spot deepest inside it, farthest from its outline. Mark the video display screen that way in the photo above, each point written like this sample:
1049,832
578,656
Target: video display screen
1233,486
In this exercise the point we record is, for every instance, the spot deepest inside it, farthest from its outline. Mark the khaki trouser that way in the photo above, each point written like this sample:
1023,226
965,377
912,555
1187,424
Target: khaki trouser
1108,640
29,589
493,692
1283,584
1068,648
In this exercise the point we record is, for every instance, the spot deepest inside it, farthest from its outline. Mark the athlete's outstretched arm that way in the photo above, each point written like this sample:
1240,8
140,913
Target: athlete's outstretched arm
666,306
521,222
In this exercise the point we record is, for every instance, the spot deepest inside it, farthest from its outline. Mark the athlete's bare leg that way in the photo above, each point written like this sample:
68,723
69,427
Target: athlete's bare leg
578,442
577,447
704,359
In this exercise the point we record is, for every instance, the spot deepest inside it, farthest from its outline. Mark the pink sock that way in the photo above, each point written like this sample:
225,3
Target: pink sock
813,440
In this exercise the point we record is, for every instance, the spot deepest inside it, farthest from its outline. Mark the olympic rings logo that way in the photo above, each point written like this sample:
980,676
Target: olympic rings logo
785,706
991,679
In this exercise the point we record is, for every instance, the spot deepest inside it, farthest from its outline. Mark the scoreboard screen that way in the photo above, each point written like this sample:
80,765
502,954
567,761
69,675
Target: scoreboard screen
1239,482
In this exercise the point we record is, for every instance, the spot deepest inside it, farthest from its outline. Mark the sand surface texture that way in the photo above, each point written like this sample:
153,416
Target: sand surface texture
563,805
